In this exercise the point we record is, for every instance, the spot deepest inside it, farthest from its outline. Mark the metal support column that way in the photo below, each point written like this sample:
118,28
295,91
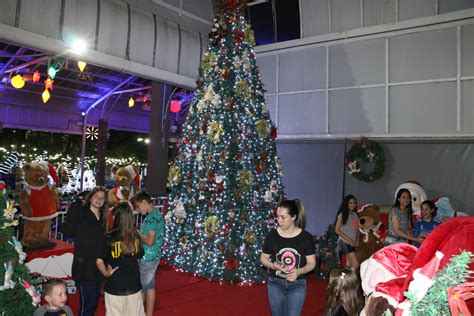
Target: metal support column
158,134
101,152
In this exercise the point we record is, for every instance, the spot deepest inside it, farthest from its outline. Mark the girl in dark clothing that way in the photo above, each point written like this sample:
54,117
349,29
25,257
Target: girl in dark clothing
87,224
118,262
344,293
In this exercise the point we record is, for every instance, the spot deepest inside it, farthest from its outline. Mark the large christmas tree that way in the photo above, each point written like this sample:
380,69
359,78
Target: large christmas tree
17,296
226,180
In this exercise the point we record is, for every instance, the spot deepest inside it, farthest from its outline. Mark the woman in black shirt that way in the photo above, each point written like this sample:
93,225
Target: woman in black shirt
87,224
288,252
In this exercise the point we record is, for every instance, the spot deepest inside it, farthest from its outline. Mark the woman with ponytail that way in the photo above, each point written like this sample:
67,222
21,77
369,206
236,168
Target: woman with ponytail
288,253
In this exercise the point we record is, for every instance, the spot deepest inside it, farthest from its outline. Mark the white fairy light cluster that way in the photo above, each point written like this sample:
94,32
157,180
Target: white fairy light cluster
226,181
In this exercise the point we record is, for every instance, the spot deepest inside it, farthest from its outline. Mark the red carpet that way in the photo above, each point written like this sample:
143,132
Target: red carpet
184,294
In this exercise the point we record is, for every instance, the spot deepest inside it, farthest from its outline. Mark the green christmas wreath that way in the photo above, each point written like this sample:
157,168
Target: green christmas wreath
365,151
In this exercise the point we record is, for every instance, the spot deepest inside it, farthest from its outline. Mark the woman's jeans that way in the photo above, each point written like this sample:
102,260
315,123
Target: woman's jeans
286,298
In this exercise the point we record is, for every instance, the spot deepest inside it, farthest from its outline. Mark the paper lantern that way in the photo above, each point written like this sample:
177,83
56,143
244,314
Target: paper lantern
49,83
52,72
18,82
36,76
175,106
45,95
82,65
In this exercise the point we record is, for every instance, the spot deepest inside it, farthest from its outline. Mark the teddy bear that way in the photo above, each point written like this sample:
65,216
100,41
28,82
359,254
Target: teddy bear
127,182
39,201
372,232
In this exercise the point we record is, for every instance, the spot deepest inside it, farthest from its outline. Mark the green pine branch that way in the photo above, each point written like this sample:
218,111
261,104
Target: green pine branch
435,302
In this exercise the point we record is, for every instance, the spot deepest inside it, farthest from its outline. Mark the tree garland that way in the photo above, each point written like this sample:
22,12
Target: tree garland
366,151
435,302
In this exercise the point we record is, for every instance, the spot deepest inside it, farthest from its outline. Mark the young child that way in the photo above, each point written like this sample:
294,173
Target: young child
344,293
347,227
55,295
120,251
399,220
426,224
151,234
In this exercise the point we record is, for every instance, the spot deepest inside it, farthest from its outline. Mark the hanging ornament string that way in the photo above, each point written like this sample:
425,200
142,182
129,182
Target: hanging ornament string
365,151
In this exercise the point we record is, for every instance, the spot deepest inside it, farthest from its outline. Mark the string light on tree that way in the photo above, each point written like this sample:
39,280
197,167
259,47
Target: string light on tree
226,181
131,102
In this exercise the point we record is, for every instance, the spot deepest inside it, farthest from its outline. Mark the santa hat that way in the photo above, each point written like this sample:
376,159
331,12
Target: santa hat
135,175
388,263
360,209
3,187
412,185
423,278
391,290
51,171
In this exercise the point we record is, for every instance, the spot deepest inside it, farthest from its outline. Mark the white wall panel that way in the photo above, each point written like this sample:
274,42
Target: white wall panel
173,2
80,19
267,66
302,70
167,46
423,108
41,17
272,107
313,173
357,111
302,113
113,28
357,63
345,15
467,107
412,9
314,17
190,52
202,9
467,53
142,37
446,6
7,12
409,55
379,12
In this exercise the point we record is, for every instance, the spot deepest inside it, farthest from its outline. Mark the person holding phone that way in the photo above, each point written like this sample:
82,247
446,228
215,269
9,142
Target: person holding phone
288,252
